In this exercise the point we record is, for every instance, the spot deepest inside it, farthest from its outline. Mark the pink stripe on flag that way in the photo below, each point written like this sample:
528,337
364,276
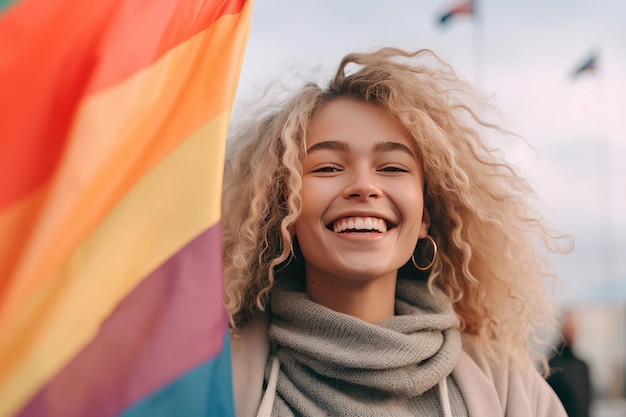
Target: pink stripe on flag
170,323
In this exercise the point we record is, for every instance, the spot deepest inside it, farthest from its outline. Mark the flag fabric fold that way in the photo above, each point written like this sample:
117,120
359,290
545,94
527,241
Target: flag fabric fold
115,116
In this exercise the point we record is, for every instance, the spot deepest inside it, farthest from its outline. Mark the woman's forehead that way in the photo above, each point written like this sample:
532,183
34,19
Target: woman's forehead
344,119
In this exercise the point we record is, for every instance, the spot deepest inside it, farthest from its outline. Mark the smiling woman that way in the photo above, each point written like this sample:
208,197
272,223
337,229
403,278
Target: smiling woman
380,258
358,170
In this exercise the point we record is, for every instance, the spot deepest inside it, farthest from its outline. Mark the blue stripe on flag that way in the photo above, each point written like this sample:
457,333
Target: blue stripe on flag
206,391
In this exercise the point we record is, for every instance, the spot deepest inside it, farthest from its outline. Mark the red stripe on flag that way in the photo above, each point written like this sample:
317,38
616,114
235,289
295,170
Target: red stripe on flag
55,53
172,322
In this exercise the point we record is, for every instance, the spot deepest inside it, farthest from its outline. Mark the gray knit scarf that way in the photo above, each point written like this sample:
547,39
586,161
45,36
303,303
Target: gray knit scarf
333,364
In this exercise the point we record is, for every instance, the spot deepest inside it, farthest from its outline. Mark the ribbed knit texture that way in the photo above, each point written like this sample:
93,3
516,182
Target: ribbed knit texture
333,364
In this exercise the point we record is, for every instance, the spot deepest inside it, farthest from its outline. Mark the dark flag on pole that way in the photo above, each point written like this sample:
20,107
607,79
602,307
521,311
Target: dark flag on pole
589,65
465,8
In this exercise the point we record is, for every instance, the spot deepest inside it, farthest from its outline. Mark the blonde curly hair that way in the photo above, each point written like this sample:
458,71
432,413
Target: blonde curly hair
482,213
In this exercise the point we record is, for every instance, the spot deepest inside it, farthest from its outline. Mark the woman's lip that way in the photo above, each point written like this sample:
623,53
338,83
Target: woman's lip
359,236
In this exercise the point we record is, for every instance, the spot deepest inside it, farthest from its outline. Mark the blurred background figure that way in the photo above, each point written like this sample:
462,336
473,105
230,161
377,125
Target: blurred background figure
570,376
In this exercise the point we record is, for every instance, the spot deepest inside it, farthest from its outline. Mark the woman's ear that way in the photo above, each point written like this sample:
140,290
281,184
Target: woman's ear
425,223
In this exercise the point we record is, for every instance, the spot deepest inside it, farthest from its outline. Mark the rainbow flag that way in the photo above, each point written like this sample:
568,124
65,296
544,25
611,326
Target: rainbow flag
464,8
589,65
113,124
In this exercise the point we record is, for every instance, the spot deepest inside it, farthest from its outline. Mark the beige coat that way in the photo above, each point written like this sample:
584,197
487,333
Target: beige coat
487,388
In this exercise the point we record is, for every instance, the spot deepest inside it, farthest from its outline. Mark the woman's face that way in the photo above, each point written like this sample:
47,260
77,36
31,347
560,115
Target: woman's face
362,194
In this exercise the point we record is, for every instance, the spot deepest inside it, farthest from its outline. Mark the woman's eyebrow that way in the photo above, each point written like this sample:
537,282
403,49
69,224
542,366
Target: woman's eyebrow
332,145
383,146
389,146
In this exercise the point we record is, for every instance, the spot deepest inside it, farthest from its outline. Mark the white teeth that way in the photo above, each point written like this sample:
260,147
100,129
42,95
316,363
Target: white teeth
360,223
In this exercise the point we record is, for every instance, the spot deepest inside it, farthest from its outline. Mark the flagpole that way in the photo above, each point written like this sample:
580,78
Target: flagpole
606,189
470,8
479,47
607,193
604,175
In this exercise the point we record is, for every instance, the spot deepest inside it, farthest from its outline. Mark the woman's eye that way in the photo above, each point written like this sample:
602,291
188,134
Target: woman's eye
394,169
327,169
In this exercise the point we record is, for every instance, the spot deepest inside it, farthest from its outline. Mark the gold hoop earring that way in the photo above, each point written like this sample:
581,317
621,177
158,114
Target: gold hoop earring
432,262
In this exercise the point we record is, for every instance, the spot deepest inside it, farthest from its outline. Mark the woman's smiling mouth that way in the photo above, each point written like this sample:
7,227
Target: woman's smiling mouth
359,225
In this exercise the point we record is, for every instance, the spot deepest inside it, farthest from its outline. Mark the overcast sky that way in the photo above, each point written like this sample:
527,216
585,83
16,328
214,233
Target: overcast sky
520,52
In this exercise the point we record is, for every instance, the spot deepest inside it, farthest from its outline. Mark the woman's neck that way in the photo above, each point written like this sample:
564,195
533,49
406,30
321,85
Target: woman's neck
371,300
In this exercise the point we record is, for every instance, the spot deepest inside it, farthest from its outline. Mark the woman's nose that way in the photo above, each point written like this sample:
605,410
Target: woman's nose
362,184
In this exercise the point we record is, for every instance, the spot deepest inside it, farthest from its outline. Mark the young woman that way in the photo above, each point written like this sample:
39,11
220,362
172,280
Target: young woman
380,257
